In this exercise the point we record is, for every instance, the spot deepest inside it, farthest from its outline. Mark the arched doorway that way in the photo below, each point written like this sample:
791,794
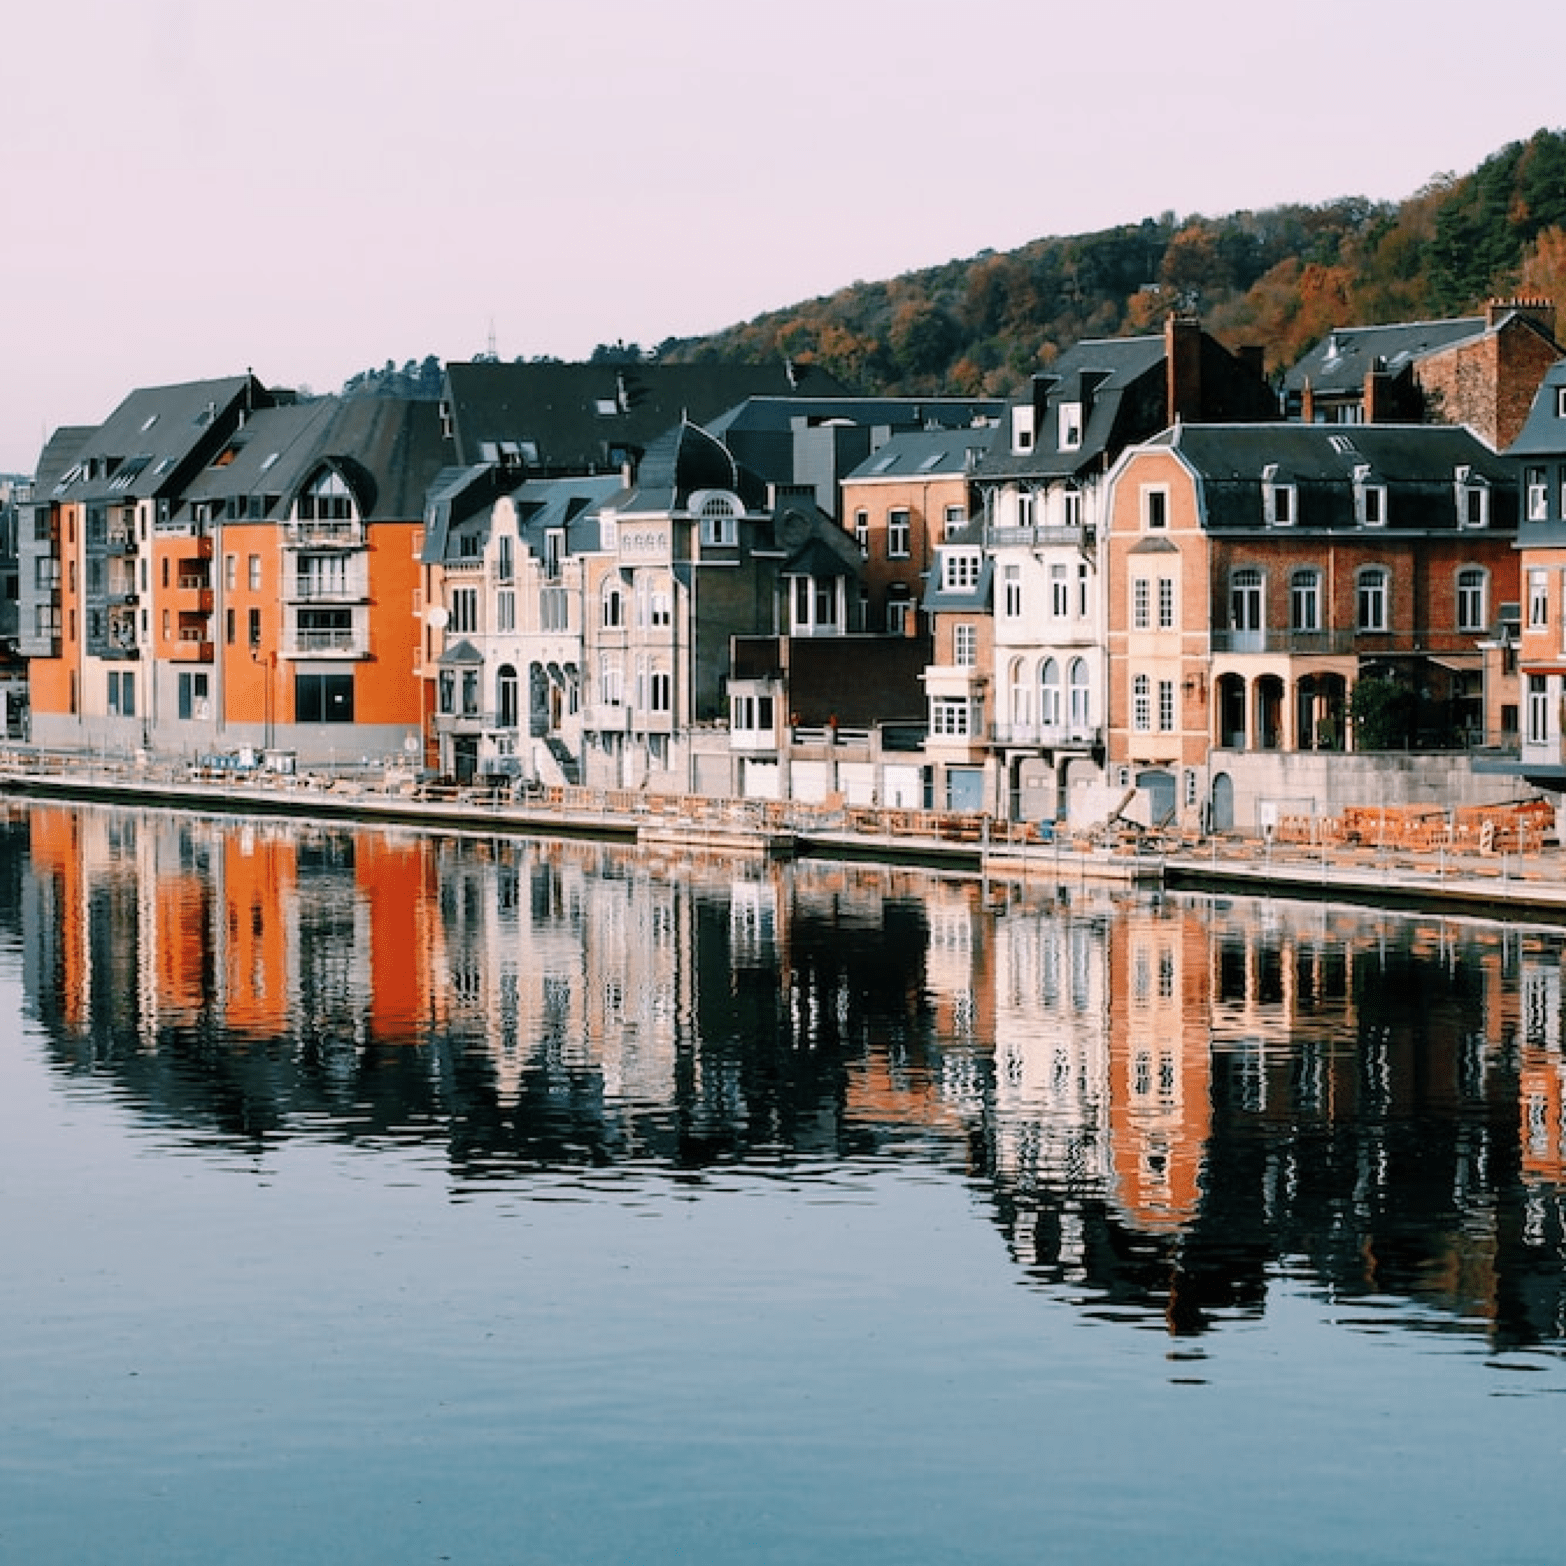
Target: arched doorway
1223,803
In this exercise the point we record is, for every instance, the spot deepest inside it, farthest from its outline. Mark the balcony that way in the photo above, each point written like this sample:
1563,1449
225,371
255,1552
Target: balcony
1082,536
192,647
1048,736
333,643
306,591
1302,644
323,533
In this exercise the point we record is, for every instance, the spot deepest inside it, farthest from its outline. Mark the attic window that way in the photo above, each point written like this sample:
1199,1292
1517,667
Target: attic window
1278,498
959,570
934,460
271,457
885,463
606,407
1560,402
1070,426
1370,500
1340,444
148,422
1021,430
718,524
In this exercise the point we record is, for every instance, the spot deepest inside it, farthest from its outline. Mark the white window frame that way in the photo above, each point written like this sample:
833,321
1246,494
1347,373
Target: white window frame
1473,598
899,533
1155,508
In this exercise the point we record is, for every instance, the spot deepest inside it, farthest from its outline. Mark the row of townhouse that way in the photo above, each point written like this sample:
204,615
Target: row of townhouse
1142,579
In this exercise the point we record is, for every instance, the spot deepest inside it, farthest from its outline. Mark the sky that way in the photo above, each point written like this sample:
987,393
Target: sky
307,188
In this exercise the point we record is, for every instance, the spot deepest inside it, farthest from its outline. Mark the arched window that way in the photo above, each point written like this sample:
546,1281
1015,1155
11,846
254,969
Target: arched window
1077,682
326,498
1370,599
1245,599
1305,600
1021,706
506,697
1049,694
1472,599
718,521
614,605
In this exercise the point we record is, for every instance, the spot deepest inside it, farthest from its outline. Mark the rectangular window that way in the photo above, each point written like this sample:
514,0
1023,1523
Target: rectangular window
230,571
1071,507
899,611
897,535
1373,505
1538,710
1025,508
323,698
965,646
955,519
506,610
862,530
949,716
1475,505
505,557
1141,614
255,573
659,691
255,627
1538,599
1155,508
1011,599
463,617
1082,589
1059,592
1166,614
1141,704
1166,706
1280,505
229,627
959,570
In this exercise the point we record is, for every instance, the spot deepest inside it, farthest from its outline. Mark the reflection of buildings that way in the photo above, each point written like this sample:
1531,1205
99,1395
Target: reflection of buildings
1172,1101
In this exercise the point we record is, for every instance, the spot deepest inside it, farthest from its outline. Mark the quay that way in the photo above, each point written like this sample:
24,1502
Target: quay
1498,884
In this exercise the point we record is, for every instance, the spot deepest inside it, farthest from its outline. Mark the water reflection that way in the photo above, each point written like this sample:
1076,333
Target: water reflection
1166,1103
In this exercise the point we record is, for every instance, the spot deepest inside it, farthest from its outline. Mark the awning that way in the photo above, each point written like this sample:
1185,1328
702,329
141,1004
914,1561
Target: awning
1457,663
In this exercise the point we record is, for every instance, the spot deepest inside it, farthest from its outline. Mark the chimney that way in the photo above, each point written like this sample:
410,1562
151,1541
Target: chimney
1540,311
1378,395
1183,368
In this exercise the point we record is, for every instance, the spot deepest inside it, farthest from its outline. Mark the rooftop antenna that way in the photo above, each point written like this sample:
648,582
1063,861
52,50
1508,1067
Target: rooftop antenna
491,349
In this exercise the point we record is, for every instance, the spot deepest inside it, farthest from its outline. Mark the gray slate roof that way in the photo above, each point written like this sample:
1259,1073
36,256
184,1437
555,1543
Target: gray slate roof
1544,434
925,454
1339,363
1418,464
586,418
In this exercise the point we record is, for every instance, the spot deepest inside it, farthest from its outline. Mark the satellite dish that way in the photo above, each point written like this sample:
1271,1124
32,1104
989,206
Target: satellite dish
437,618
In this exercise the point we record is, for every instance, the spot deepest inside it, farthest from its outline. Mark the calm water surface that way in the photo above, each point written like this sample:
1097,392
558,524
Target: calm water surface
373,1197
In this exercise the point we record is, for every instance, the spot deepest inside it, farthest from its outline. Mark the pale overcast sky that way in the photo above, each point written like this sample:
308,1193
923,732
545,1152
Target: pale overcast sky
311,187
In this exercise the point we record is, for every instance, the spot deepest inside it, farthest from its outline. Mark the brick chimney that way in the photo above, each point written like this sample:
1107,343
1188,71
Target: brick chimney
1540,311
1378,406
1183,368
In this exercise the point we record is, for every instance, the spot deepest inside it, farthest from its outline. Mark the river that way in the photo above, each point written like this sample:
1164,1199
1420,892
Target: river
389,1196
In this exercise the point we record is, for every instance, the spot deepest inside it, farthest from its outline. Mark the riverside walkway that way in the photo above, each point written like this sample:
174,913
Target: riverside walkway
1505,883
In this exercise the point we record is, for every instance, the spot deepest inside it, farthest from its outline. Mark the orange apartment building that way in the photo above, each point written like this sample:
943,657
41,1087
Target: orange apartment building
221,569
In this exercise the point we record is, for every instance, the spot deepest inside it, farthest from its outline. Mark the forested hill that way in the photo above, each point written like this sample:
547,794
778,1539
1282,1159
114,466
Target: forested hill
1281,278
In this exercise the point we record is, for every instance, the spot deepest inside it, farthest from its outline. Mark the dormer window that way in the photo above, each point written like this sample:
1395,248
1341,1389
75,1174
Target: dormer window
1473,499
1277,498
1560,402
1536,490
1370,499
1021,430
1070,426
959,570
719,521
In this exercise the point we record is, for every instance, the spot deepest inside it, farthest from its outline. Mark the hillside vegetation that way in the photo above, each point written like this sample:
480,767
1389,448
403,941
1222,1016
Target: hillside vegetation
1281,278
